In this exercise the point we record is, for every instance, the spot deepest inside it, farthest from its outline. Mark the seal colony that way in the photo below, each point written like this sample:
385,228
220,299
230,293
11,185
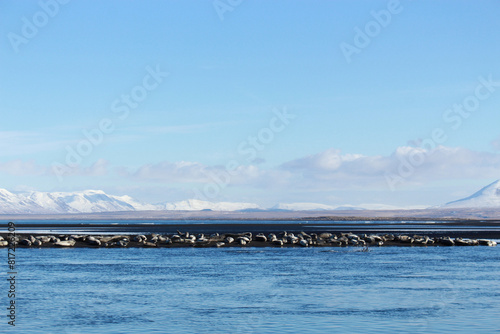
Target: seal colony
281,239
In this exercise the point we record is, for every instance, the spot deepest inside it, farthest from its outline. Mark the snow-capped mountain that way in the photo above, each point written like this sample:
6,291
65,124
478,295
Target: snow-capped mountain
12,203
98,201
197,205
488,197
85,201
67,202
95,201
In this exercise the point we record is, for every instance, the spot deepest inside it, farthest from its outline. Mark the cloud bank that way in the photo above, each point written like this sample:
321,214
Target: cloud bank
327,171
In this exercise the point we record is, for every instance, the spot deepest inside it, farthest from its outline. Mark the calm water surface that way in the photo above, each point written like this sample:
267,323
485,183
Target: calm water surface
255,290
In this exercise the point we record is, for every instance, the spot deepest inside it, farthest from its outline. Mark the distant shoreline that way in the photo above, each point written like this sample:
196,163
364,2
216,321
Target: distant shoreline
468,215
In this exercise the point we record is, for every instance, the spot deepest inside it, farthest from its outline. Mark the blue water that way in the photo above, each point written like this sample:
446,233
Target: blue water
256,290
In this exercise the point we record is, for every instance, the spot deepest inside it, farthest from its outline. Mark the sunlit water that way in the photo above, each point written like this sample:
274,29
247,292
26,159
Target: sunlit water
257,290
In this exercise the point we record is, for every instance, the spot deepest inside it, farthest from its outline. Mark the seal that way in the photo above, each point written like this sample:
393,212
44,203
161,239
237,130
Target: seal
25,242
44,239
176,238
486,242
447,242
65,243
94,242
260,237
369,239
140,238
405,239
461,242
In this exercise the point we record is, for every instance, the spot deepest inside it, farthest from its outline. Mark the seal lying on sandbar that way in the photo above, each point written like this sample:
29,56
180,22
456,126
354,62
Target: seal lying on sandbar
65,243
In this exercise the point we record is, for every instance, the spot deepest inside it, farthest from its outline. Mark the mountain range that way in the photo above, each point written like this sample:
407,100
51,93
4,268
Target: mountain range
93,201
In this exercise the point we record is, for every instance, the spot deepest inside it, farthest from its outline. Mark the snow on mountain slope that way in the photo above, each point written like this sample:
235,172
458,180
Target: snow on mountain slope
91,201
67,202
75,202
98,201
197,205
12,203
487,197
138,206
50,202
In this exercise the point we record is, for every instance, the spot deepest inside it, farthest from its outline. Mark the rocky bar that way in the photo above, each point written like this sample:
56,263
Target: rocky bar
245,239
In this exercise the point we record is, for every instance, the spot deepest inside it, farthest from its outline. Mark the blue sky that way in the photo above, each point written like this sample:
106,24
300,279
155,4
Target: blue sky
356,119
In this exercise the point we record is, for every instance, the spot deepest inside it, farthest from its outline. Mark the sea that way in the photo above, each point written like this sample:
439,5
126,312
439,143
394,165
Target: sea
254,290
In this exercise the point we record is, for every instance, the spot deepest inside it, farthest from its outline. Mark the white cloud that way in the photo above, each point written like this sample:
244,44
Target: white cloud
496,144
194,172
99,168
331,168
22,168
183,171
454,163
320,176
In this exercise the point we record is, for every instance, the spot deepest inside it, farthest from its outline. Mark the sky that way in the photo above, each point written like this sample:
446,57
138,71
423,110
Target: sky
332,102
